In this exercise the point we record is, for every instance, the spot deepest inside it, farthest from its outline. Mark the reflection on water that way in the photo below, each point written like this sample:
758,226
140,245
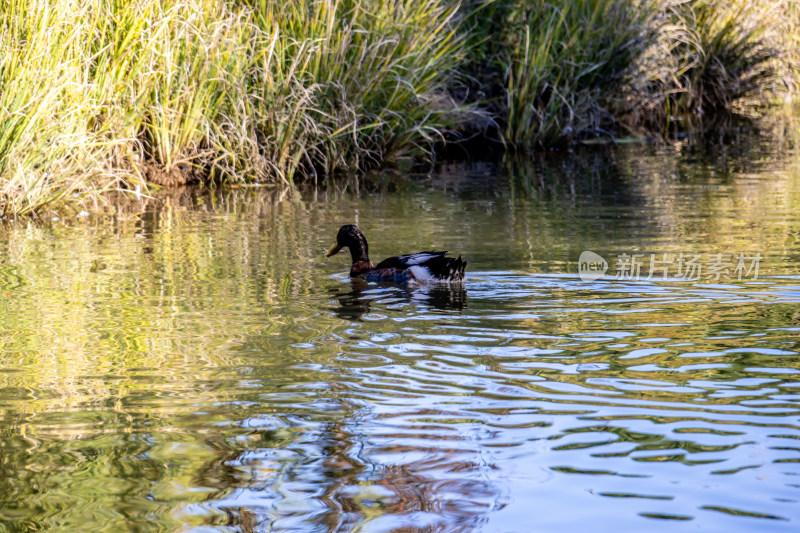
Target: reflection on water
196,362
355,300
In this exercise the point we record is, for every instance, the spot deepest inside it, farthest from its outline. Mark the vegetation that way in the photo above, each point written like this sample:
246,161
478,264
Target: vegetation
571,70
102,95
343,85
565,61
98,96
708,57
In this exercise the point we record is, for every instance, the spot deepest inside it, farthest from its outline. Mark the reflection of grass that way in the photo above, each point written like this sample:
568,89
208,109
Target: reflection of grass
116,334
124,343
164,306
162,359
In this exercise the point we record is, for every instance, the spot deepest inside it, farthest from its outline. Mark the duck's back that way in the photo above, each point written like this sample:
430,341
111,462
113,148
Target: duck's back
424,267
405,261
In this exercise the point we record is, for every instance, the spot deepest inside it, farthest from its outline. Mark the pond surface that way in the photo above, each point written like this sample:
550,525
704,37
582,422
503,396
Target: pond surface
195,363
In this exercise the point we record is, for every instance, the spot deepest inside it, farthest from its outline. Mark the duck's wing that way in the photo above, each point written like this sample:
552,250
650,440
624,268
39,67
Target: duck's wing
424,267
405,261
439,269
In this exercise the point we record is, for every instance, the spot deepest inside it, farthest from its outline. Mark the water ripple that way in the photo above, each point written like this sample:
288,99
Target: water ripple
520,378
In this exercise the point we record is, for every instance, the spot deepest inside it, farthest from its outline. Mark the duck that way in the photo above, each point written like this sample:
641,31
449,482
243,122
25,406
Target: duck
421,267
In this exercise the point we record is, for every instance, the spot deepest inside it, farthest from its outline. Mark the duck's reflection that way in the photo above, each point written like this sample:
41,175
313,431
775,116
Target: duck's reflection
364,297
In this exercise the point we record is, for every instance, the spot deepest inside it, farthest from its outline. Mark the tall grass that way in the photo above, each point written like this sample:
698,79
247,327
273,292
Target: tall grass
97,96
564,61
707,56
784,36
100,95
51,147
345,85
165,71
592,67
187,79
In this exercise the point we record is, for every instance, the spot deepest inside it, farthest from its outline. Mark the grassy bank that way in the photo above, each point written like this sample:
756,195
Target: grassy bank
567,70
98,96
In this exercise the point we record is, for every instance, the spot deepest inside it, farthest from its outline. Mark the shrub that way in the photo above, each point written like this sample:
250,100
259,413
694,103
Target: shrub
708,56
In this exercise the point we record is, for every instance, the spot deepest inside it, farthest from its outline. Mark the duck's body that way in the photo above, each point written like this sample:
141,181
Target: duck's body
422,267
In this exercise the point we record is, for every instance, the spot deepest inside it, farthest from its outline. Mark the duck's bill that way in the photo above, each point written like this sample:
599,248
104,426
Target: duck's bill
333,250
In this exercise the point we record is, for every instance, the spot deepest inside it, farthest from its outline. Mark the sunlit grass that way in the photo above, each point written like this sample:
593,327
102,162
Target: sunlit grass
51,147
343,85
98,96
784,36
565,60
168,71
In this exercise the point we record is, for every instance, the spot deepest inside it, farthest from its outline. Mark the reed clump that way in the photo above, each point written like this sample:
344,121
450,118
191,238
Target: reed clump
706,57
51,145
565,62
586,68
346,85
98,96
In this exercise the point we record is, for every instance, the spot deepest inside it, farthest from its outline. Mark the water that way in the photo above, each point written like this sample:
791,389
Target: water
195,363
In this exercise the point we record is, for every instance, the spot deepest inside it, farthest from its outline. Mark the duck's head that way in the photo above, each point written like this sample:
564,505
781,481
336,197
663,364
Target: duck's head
350,236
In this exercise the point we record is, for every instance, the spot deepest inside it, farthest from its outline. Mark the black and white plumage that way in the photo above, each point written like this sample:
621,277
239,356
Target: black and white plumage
422,267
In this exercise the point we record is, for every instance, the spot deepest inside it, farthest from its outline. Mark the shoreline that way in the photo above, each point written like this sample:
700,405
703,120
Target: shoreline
115,97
